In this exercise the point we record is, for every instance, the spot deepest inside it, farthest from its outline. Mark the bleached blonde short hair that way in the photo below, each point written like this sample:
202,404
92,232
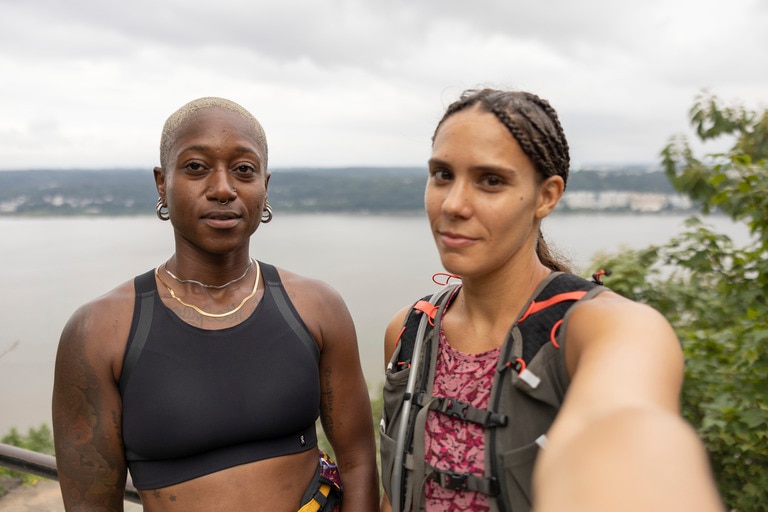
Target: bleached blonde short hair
182,114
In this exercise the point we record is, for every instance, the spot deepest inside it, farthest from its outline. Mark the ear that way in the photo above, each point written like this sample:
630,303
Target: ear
159,173
550,192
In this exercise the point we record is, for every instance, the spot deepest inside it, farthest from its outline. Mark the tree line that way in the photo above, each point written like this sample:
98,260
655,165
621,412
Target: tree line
350,189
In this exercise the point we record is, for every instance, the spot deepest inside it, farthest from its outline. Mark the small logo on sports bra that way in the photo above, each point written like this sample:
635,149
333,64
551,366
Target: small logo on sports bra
302,440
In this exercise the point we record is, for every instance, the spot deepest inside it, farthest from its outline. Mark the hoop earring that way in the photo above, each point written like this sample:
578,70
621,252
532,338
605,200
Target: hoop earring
161,210
266,214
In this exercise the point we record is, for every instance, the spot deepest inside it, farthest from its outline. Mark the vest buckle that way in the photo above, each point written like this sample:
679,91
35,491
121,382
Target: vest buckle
456,408
455,481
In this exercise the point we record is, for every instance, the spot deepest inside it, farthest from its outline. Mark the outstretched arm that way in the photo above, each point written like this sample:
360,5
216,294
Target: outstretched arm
619,442
86,415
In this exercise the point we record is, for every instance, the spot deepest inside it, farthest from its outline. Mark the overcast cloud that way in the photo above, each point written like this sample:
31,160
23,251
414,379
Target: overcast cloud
89,83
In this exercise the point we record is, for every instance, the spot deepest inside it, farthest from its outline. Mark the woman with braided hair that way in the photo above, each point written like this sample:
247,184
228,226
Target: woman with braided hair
477,374
204,377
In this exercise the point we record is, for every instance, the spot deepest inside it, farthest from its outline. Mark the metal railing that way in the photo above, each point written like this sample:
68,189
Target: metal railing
39,464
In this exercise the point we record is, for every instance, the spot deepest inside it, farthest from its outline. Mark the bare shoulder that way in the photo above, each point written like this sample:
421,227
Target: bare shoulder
301,287
611,299
99,329
321,307
613,343
396,322
610,312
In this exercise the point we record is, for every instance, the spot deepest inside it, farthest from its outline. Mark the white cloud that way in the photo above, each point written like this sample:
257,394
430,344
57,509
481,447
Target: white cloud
359,82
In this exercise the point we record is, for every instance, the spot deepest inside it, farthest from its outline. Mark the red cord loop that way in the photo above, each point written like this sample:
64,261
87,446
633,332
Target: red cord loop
446,278
518,364
553,333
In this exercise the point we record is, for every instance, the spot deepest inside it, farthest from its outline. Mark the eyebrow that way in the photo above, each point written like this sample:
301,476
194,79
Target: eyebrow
203,148
480,168
437,161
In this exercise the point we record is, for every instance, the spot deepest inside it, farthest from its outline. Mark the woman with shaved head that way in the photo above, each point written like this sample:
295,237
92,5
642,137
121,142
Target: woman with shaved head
204,376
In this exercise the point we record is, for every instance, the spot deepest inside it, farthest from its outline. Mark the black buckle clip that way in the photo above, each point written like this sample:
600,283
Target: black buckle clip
456,408
455,481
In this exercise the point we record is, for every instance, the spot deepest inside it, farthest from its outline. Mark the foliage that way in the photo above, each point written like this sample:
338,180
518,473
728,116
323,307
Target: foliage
715,295
37,440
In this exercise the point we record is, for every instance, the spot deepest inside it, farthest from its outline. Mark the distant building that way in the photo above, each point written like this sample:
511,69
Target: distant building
640,202
647,203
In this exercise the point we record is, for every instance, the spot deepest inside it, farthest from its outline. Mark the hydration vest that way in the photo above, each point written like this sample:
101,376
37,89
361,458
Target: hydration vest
528,389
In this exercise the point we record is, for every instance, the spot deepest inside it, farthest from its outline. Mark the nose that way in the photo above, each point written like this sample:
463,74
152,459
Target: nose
456,201
221,187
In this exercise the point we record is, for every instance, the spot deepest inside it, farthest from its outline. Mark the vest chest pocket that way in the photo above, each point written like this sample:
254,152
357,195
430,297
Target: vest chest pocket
545,378
517,465
395,384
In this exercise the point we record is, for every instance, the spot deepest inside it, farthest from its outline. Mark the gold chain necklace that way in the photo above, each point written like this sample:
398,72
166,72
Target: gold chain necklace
214,315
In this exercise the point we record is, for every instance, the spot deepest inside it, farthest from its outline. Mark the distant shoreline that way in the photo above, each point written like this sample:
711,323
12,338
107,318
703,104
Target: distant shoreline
357,191
409,213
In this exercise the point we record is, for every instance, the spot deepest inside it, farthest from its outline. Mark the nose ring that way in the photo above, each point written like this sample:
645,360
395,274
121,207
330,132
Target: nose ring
222,203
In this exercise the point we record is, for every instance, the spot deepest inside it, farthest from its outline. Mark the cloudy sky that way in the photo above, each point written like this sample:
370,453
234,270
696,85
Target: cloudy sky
89,83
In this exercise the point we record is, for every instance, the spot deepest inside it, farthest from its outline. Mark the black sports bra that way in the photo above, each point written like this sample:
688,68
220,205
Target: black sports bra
197,401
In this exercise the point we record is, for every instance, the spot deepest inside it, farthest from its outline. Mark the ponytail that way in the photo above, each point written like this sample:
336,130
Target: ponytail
550,258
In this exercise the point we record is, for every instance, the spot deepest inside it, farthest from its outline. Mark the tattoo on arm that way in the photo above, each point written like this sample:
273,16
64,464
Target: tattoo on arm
328,402
90,474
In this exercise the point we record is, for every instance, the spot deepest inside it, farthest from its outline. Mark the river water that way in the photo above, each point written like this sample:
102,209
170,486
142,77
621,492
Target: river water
51,266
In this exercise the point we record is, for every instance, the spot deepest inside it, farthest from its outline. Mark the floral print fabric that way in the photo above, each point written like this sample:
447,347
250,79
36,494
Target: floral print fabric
452,444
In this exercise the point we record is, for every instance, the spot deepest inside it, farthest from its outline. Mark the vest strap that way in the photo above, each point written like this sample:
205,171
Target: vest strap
535,307
466,482
464,411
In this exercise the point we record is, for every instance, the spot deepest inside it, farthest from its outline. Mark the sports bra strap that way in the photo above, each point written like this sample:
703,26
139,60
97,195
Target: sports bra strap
145,303
284,305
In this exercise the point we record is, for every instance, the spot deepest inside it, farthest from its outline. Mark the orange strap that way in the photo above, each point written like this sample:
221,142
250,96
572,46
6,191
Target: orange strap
427,307
535,307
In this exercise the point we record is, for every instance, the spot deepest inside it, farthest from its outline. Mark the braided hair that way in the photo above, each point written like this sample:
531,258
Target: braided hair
536,127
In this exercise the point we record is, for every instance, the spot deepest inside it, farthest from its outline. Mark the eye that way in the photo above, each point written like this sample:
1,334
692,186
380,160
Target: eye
440,174
195,167
491,180
245,170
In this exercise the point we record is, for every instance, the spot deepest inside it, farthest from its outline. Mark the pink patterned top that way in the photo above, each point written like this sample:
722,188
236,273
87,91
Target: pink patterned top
454,444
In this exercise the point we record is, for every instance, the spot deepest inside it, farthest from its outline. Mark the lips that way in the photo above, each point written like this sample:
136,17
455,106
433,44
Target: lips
222,219
455,240
221,215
